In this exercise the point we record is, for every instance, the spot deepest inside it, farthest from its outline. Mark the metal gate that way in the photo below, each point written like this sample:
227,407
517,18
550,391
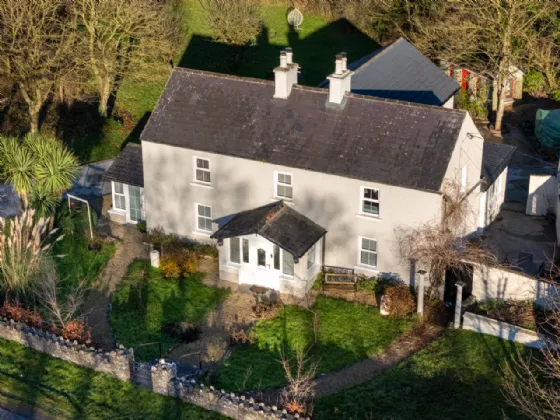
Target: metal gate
141,374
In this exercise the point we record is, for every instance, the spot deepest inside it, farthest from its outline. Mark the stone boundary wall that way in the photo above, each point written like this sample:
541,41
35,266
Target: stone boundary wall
164,375
115,363
228,404
484,325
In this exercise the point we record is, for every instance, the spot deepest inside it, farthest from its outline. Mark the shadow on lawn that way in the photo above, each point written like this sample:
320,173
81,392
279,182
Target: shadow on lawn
314,53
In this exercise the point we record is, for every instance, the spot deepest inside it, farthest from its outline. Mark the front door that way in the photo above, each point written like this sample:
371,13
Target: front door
260,268
135,204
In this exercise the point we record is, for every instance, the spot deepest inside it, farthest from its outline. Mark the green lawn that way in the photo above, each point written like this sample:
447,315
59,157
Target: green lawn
67,391
347,332
163,301
76,262
315,45
456,377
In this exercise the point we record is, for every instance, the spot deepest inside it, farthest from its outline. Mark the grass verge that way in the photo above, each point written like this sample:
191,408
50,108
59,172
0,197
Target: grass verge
455,377
67,391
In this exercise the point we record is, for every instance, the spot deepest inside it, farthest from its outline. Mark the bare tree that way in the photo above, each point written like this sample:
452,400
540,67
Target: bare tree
441,244
123,38
490,36
234,22
544,57
35,49
48,288
532,383
300,370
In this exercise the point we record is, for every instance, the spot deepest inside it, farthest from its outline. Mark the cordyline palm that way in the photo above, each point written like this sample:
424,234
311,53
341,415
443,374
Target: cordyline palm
39,168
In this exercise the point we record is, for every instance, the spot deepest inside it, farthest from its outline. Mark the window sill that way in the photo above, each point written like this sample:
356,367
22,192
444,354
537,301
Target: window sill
204,233
369,217
289,202
120,212
202,185
368,268
233,265
286,277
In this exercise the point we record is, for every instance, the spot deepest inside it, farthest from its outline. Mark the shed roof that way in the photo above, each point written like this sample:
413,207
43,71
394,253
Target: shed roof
370,139
495,158
278,223
399,71
10,204
127,167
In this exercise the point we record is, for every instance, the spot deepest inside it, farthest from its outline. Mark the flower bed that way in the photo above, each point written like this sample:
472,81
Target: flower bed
522,313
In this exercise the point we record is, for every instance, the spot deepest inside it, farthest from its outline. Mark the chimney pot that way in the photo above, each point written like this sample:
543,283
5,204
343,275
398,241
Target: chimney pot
338,64
289,55
283,59
285,75
340,82
344,61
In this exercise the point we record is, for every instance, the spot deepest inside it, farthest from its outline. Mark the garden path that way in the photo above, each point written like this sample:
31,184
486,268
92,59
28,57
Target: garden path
130,246
235,312
405,346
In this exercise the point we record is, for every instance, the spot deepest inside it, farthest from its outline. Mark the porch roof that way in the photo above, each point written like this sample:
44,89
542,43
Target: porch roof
127,168
495,158
278,223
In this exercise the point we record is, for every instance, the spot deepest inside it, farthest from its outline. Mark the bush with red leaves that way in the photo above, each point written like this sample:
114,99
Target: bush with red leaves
20,314
76,330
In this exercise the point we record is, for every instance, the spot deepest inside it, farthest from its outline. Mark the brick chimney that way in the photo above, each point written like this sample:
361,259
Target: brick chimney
285,75
340,81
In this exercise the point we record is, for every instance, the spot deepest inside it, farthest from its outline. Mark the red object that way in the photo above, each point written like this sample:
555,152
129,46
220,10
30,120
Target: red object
464,79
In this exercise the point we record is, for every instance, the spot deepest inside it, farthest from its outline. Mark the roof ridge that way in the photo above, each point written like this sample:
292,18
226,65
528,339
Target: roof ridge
382,51
324,91
224,76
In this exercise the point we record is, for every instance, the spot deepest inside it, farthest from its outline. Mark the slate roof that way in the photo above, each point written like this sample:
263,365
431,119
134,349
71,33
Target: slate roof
278,223
370,139
127,167
399,71
495,158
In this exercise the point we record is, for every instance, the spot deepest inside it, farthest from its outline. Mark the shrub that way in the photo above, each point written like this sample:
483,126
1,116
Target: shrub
243,337
215,351
205,249
20,314
183,331
516,312
179,262
556,95
398,300
367,285
141,226
319,282
435,312
534,83
76,331
384,283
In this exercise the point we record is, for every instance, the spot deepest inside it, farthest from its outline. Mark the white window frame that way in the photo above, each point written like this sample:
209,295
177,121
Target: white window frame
378,201
196,168
240,256
197,229
123,194
312,251
277,183
360,249
282,265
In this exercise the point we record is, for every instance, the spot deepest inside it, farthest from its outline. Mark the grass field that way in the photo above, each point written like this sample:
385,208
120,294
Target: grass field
347,332
163,301
67,391
456,377
315,45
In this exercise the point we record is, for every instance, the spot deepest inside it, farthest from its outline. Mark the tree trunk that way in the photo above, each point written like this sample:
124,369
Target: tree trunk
104,93
34,105
501,105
